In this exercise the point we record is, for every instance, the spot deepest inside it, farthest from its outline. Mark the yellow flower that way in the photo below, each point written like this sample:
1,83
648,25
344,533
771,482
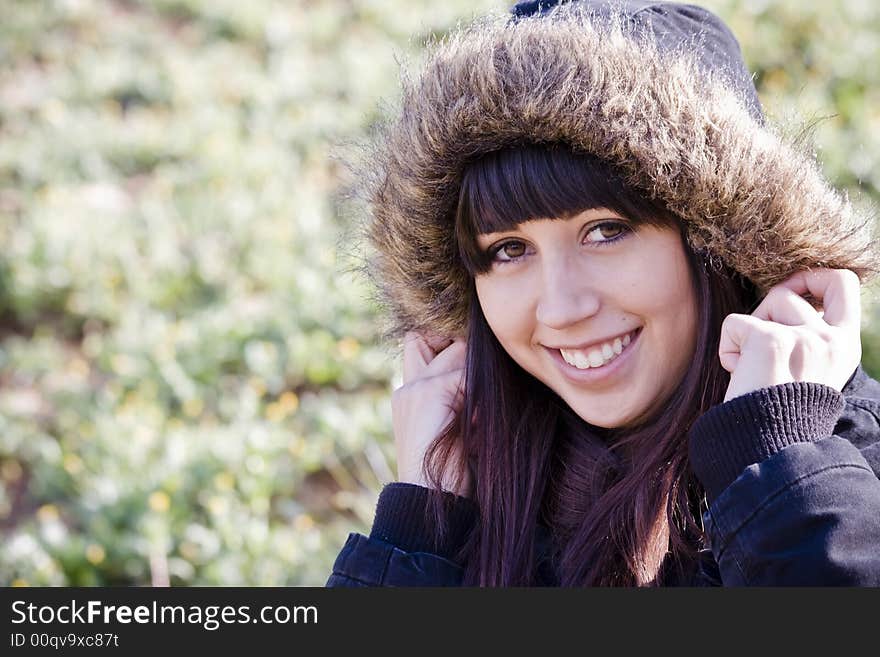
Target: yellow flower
73,464
289,402
11,471
159,501
286,405
296,446
48,513
348,348
303,522
224,481
79,367
218,505
193,407
95,553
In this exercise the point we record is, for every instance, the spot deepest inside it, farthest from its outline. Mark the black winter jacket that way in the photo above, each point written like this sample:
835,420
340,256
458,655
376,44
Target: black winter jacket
790,472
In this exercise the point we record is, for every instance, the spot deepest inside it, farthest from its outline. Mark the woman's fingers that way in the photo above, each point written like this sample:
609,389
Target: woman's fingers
431,355
734,331
837,290
758,353
436,342
450,359
785,339
416,355
784,306
430,398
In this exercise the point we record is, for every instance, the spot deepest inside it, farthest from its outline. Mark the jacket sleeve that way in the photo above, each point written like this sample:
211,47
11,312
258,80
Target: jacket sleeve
401,550
789,503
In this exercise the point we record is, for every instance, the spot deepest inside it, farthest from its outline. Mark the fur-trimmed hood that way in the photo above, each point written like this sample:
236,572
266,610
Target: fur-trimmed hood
683,134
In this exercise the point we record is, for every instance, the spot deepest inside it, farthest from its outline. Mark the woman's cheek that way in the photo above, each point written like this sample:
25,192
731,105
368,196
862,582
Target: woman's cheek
505,308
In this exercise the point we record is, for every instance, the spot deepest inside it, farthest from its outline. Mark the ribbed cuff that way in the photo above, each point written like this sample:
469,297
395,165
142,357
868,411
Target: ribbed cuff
402,520
749,429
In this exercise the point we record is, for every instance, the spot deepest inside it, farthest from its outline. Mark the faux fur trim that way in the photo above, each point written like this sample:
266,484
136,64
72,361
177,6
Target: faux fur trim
749,197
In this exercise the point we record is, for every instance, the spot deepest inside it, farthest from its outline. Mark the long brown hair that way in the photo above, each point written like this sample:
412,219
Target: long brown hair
621,506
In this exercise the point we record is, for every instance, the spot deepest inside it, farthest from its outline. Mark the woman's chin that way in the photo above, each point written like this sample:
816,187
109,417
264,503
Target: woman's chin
605,420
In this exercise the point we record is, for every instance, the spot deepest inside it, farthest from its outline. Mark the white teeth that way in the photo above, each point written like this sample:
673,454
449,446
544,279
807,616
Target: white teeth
596,357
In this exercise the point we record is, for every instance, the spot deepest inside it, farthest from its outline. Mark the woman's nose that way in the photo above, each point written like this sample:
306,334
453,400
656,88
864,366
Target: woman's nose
566,297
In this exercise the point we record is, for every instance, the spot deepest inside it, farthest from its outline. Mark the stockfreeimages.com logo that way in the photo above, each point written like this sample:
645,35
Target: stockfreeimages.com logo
211,617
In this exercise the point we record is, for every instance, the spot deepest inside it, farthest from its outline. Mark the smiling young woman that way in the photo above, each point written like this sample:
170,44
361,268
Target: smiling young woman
588,267
568,299
630,318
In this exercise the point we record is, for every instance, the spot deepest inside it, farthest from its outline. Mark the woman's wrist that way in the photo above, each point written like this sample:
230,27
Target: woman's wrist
459,490
753,427
457,484
402,519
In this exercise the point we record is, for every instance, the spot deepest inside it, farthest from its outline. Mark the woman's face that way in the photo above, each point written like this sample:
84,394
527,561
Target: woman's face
600,310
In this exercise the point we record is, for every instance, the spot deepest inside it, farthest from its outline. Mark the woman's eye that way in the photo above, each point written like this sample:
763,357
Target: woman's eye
510,251
605,232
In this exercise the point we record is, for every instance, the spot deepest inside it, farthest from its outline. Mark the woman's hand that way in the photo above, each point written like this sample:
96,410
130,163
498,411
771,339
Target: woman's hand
785,339
431,396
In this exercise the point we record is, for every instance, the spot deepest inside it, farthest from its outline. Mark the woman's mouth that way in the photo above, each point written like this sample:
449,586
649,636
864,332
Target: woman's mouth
600,355
599,362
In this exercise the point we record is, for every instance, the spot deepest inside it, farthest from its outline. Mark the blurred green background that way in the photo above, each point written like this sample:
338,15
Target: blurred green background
192,387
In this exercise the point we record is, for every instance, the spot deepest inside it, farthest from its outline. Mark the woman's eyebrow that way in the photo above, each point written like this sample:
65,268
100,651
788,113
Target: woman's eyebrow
498,233
491,236
599,213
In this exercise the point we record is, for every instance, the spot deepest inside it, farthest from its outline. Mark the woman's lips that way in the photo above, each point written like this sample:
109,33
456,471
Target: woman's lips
596,374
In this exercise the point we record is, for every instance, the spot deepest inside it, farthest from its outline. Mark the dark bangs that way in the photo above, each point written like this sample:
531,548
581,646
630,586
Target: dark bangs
507,187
